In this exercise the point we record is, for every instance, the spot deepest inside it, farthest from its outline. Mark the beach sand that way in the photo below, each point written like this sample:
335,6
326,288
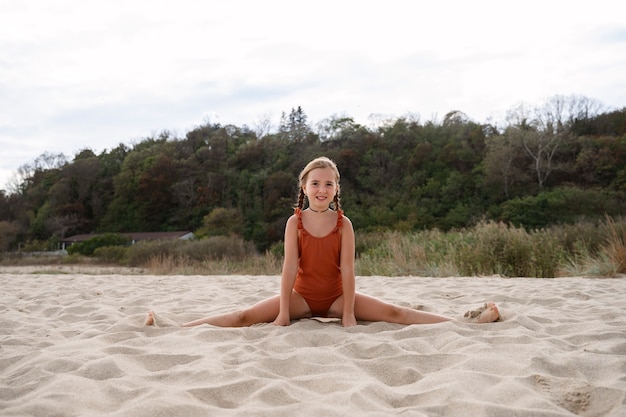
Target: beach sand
75,345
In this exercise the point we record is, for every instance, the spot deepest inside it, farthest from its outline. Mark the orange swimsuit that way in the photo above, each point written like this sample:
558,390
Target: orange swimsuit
319,274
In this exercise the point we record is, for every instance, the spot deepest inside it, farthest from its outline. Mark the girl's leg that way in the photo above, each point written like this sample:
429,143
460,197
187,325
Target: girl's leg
368,308
264,311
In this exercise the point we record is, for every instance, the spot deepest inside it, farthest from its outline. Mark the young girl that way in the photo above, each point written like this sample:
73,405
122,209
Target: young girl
318,271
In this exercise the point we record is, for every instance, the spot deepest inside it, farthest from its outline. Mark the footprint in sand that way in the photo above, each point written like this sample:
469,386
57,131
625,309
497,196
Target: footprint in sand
578,397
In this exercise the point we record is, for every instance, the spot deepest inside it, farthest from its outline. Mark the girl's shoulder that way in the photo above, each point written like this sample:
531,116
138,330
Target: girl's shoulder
343,220
295,219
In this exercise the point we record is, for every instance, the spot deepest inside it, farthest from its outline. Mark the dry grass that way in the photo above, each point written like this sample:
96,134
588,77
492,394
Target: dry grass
493,248
489,248
183,265
615,248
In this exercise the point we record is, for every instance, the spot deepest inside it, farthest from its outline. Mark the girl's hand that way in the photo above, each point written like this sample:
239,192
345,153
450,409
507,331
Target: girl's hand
281,320
348,321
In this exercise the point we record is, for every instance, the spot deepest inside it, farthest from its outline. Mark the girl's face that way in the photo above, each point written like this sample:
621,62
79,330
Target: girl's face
321,187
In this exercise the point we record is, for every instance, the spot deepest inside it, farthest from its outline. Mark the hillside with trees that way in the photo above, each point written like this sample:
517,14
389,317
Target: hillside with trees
558,162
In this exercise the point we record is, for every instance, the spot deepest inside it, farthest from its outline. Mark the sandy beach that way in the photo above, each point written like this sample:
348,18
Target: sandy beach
74,344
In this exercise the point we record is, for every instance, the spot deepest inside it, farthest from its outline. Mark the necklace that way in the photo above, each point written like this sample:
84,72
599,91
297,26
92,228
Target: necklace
319,211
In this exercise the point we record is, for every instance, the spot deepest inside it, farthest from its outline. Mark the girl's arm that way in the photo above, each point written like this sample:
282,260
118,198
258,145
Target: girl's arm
290,269
347,272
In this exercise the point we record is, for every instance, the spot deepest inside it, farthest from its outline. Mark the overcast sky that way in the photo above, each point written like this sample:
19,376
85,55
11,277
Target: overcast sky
94,74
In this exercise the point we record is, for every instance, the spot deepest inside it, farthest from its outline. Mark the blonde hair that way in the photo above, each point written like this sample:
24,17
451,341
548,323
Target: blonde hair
320,162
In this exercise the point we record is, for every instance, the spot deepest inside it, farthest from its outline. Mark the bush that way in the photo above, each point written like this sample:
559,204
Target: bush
488,248
212,248
89,246
111,254
579,238
221,222
424,253
277,250
36,246
561,205
495,248
218,247
615,247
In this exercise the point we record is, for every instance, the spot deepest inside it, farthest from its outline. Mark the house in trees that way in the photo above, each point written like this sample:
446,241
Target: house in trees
133,237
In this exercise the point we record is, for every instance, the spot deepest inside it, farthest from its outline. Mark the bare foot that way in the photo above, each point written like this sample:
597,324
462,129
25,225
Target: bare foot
150,319
485,314
159,321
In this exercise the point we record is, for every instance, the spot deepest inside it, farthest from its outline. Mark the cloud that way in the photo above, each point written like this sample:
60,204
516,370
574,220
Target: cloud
76,74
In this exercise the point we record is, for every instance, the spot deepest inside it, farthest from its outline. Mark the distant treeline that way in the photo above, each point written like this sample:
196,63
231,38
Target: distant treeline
558,162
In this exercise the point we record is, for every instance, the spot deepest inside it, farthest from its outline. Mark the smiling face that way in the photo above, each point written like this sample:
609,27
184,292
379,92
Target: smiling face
320,187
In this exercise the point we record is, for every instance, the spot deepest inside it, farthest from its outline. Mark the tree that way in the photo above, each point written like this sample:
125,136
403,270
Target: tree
336,126
612,123
19,180
546,129
8,233
455,118
541,147
263,126
600,159
73,196
402,174
5,212
222,222
154,197
141,191
60,225
504,162
28,174
48,161
294,127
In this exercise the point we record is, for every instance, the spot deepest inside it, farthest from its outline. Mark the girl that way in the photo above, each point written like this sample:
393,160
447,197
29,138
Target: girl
318,271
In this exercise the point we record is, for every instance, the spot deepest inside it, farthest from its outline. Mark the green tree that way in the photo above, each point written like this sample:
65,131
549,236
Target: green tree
505,165
8,233
294,127
142,190
222,222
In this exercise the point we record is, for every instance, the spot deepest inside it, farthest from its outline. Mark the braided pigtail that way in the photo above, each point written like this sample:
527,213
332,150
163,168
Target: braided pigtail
336,201
301,198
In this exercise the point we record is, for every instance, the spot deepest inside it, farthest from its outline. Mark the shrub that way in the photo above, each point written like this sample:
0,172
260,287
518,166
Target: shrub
141,252
111,254
221,222
583,237
36,246
277,250
495,248
391,253
615,247
89,246
218,247
561,205
212,248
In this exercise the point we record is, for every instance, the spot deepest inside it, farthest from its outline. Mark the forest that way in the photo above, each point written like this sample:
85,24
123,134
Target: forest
558,162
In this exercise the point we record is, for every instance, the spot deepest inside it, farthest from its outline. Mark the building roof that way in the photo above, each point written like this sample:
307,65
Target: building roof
134,236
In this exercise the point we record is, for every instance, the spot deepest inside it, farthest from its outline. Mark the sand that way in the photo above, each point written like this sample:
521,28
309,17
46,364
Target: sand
75,345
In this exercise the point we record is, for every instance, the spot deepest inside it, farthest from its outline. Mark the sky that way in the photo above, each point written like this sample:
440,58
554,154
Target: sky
77,74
